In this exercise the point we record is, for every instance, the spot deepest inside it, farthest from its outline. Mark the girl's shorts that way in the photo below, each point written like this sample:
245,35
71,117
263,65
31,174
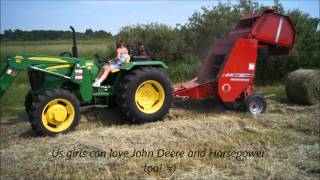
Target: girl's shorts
115,65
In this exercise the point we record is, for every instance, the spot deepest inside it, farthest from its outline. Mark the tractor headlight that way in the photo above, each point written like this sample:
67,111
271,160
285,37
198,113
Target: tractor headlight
11,72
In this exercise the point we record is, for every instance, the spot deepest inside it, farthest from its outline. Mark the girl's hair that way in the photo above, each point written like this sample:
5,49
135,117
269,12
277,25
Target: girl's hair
119,43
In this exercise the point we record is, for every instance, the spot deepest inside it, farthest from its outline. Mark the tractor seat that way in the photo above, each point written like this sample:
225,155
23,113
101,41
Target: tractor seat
127,60
115,70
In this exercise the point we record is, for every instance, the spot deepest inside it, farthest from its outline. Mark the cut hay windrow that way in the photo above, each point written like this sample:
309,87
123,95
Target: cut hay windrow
303,86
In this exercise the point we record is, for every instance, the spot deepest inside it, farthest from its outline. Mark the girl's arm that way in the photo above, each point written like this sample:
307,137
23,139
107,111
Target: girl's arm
117,56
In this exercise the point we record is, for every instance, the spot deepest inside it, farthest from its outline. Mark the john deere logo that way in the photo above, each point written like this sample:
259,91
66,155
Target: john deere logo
18,59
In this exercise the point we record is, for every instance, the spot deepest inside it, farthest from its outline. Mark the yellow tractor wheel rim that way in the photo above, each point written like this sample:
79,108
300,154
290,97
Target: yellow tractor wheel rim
58,115
149,96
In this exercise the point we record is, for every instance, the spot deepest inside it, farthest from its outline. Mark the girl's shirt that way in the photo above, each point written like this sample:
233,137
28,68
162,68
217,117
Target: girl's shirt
122,54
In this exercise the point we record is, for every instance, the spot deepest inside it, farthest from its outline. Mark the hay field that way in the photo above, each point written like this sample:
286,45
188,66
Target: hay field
288,134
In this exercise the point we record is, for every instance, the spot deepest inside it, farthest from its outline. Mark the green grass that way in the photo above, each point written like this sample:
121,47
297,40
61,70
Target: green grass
278,90
85,48
182,71
12,103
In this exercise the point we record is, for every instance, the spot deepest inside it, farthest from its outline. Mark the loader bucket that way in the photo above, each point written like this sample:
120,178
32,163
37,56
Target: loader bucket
270,29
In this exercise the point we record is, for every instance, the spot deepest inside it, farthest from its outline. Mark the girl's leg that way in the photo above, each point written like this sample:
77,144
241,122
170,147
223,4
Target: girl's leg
99,80
98,77
105,73
102,71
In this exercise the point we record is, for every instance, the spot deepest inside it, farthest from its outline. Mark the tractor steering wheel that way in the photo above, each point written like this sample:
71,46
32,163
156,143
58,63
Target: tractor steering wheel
100,59
65,53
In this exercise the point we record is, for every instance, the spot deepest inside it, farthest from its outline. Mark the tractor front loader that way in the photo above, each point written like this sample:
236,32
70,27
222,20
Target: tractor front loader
229,68
60,85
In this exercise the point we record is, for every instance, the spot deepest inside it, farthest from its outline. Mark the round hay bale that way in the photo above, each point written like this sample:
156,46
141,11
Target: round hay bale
303,86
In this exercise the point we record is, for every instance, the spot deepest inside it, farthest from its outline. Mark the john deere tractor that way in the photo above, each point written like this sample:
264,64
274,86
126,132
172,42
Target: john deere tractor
60,85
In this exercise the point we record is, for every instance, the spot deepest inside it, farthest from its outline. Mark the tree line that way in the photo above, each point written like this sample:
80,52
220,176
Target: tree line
185,46
38,35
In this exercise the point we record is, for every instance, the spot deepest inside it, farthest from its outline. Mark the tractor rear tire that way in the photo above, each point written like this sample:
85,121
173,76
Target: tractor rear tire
145,95
54,112
256,103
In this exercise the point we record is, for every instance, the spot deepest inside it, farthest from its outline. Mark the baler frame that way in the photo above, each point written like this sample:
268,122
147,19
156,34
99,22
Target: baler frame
229,68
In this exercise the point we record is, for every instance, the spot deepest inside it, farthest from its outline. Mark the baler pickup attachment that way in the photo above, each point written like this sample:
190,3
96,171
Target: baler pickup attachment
229,67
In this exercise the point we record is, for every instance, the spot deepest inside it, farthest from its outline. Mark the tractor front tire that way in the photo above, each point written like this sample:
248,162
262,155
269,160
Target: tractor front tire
54,112
145,95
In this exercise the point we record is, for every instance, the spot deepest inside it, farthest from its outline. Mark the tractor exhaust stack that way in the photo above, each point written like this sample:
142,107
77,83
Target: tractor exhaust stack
74,47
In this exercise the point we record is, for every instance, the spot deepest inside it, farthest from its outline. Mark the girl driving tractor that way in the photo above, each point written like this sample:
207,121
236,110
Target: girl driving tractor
121,56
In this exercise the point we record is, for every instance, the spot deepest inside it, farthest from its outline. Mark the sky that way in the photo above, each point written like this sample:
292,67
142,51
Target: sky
110,16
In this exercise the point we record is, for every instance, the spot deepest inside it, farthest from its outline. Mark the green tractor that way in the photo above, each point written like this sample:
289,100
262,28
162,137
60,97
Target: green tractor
60,85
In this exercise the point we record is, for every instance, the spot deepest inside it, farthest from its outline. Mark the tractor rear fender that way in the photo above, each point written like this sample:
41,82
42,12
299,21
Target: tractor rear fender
133,65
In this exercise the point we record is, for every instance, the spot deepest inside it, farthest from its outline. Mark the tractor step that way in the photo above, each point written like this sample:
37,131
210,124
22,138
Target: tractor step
105,87
101,101
89,107
101,94
101,106
102,91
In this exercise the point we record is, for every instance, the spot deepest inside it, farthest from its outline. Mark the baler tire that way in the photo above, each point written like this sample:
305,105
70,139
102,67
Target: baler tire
131,93
53,99
256,103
